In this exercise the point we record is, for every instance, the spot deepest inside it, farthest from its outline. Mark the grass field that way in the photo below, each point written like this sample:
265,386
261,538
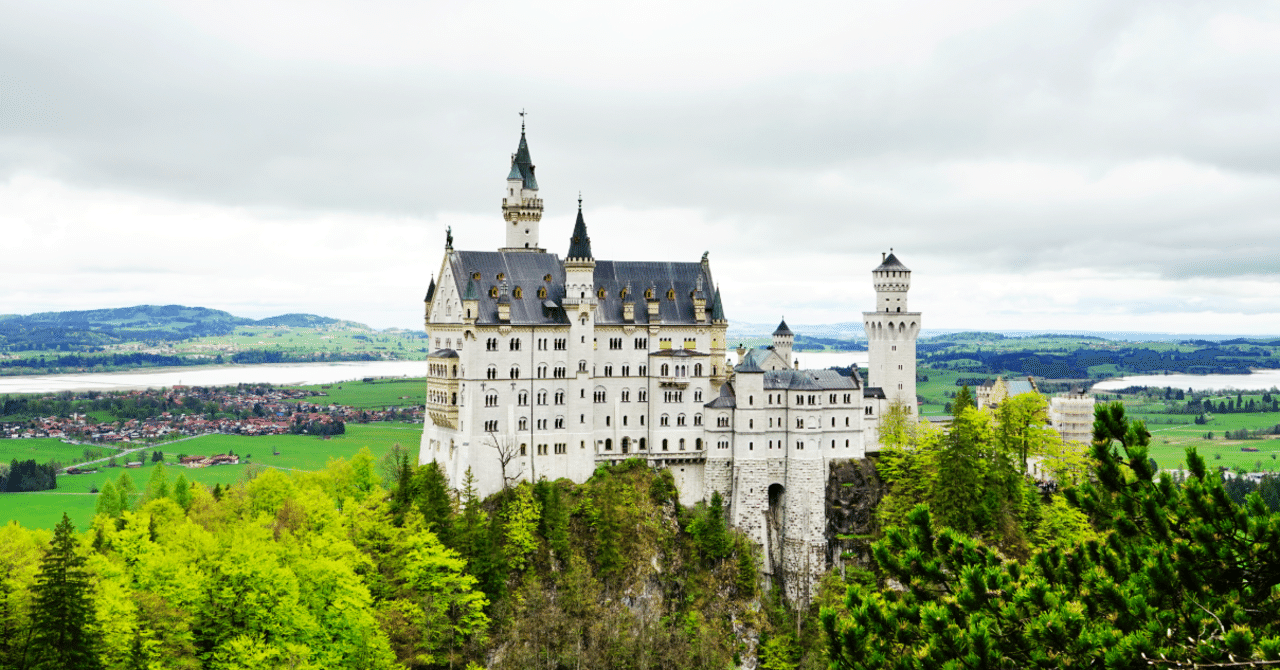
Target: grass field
45,449
1170,441
377,394
297,452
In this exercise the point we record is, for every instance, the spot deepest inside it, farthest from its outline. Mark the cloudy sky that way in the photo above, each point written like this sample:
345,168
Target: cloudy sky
1077,165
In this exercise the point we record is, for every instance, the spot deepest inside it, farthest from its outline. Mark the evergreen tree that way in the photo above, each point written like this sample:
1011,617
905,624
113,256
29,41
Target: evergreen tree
62,619
182,491
108,501
158,484
128,491
963,400
434,501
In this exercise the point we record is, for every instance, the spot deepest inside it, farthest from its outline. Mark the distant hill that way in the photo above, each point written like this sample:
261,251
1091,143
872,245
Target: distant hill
77,330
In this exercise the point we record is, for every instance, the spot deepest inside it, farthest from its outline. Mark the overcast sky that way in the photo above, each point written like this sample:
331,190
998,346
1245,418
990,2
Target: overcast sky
1038,165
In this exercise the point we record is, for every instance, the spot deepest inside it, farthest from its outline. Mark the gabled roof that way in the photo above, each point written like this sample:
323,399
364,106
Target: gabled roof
782,329
579,243
530,272
522,166
809,380
891,263
726,400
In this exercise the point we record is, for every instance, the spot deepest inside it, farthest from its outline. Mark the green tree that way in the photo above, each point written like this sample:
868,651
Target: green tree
62,620
128,491
182,491
108,501
963,400
158,483
521,515
1183,578
434,501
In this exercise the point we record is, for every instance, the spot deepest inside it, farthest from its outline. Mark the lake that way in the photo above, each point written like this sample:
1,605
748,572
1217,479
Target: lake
1260,380
221,375
290,374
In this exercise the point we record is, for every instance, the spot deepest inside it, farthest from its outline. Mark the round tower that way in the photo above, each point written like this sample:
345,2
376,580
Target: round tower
783,340
891,334
521,206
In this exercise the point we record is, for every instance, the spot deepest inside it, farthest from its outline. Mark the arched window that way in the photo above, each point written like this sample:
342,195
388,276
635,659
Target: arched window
524,423
666,370
697,419
697,444
523,398
682,444
492,372
664,444
697,370
671,294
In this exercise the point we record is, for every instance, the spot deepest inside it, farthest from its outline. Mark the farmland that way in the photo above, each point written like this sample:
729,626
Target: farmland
296,452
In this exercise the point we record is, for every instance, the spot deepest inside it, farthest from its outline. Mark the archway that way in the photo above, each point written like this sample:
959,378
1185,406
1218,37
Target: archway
775,521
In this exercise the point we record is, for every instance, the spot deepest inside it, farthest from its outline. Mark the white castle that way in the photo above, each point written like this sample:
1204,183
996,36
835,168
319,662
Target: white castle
542,367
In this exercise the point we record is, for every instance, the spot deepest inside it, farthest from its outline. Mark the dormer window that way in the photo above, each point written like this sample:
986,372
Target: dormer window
648,294
542,293
501,276
517,292
671,294
493,291
601,294
476,276
547,278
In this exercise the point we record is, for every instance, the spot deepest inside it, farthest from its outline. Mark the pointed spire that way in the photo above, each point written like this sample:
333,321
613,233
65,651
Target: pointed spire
521,164
717,308
782,329
472,293
580,243
431,291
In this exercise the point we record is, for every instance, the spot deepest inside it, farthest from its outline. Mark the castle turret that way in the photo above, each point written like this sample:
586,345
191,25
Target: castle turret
891,334
521,206
783,339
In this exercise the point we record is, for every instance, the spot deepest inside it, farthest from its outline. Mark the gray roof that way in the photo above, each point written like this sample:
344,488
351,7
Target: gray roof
717,308
726,400
873,392
529,272
809,380
891,263
1019,386
431,291
443,353
522,166
579,242
782,329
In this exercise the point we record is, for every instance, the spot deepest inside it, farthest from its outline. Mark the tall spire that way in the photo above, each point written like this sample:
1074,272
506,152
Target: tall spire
521,206
580,243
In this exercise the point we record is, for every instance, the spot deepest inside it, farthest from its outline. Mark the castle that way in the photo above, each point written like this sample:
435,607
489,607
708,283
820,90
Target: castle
542,367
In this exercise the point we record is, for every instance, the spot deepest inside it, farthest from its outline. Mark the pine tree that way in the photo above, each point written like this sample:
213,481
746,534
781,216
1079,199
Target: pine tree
963,400
108,501
434,501
182,491
63,614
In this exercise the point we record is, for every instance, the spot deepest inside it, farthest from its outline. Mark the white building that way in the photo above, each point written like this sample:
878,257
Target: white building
556,366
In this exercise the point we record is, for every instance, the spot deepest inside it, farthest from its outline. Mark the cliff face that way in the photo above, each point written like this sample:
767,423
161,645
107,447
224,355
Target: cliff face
853,491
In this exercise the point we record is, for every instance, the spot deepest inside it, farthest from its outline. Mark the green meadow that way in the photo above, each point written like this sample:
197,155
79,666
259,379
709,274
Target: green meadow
74,494
45,449
377,394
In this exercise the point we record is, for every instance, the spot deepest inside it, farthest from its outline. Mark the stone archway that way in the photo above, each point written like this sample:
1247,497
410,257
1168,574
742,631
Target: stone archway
774,523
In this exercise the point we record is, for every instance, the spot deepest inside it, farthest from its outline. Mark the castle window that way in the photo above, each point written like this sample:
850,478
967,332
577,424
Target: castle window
626,371
515,372
697,395
615,343
547,278
542,370
680,420
601,294
562,447
491,426
501,276
799,400
664,420
493,291
671,294
666,370
600,396
642,343
476,276
558,372
559,397
517,292
697,419
542,293
682,444
648,294
560,422
491,344
799,422
523,398
642,395
524,423
664,444
542,397
751,446
751,423
626,395
561,344
722,421
697,369
642,442
608,420
514,344
644,370
608,370
624,419
492,372
491,400
799,444
582,366
846,422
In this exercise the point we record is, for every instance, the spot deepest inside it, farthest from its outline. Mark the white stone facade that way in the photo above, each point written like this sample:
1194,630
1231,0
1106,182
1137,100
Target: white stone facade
567,364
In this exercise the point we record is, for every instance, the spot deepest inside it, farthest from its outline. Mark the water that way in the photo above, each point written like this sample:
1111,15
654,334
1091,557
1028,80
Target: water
222,375
291,374
1260,380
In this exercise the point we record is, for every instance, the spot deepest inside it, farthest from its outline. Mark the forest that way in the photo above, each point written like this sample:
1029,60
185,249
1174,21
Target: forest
996,547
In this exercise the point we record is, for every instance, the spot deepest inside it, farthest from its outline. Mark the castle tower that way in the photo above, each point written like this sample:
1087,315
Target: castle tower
521,206
783,339
891,334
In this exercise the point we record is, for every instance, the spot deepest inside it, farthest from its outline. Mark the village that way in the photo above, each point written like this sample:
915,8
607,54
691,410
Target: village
180,412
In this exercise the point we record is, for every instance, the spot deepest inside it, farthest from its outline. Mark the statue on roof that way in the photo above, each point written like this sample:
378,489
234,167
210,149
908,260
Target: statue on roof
448,237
